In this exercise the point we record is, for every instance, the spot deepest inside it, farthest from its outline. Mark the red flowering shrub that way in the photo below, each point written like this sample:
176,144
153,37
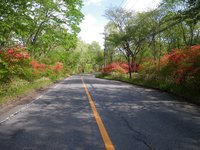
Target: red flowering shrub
184,65
14,62
41,69
115,67
38,66
58,67
176,56
120,67
136,68
15,54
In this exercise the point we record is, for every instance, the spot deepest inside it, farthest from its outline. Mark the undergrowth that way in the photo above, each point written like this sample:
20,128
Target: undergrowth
19,87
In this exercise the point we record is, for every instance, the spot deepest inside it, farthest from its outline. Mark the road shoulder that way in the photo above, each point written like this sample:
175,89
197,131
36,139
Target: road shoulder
13,105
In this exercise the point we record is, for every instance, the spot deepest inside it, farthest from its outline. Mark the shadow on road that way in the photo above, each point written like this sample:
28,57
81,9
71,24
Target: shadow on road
61,119
135,118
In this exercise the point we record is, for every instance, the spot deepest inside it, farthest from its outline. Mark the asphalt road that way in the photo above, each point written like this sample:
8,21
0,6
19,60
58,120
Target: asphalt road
135,118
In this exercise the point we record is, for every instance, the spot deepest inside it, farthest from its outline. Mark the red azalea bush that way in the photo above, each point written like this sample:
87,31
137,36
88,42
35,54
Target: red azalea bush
13,62
16,62
41,69
14,55
136,68
115,67
184,64
58,67
176,56
119,67
181,67
38,66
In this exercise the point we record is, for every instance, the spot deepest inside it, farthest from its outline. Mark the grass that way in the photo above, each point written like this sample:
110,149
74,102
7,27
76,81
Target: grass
19,87
137,79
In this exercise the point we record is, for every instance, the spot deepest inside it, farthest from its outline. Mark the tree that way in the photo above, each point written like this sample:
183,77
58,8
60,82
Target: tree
40,25
109,45
127,33
120,19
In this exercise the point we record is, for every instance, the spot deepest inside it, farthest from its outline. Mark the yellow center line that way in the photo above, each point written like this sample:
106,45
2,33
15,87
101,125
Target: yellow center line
108,143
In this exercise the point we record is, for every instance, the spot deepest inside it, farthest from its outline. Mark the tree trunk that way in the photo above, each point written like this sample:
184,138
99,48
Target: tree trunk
129,67
104,57
111,57
191,35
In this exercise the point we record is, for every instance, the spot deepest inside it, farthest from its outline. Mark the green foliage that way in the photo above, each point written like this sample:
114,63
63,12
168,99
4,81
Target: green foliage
40,25
18,87
38,39
178,72
88,57
174,24
4,72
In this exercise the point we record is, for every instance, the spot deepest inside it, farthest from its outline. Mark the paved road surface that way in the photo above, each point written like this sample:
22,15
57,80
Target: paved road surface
135,118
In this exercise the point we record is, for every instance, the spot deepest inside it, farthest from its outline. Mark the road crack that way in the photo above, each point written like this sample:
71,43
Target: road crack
137,135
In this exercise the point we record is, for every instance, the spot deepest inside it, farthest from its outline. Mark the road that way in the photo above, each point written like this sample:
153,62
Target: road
134,118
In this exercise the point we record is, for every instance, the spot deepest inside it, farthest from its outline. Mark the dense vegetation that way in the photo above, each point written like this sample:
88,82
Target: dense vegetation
39,44
160,46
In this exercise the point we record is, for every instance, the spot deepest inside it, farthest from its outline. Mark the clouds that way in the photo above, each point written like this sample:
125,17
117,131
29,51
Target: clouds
93,24
91,27
89,2
91,30
140,5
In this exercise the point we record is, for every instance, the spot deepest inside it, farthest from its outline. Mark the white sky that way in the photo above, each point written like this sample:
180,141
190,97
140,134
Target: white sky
88,2
91,30
140,5
93,24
